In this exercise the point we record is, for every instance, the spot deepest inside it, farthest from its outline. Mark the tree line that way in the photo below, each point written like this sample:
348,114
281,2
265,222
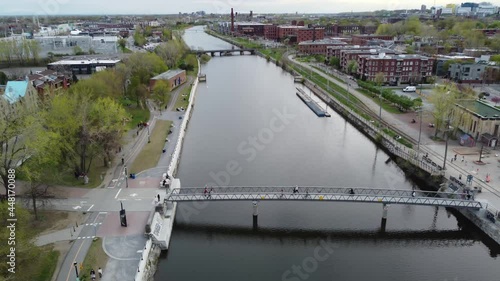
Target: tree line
19,51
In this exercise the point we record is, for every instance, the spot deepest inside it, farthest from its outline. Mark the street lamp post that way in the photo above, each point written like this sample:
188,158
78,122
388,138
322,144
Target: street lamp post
419,132
446,146
76,269
126,176
149,138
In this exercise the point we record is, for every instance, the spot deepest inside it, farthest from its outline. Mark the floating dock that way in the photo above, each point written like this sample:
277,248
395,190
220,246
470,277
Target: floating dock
314,106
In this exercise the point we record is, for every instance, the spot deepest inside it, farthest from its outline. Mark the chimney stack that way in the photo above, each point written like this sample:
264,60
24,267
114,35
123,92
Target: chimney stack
232,21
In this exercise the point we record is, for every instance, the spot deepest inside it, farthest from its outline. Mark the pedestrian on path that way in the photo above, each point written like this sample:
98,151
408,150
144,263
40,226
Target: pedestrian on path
159,198
455,157
100,272
463,158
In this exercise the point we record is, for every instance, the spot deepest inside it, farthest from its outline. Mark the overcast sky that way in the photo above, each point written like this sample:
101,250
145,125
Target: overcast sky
61,7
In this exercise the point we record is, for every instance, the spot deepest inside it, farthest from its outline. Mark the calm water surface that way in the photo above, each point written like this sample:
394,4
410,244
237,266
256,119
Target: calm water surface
249,128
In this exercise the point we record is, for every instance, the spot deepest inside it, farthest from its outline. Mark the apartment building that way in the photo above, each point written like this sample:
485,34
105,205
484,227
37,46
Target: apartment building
396,68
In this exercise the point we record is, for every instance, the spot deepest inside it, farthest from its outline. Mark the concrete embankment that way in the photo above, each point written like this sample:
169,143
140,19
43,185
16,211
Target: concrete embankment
163,219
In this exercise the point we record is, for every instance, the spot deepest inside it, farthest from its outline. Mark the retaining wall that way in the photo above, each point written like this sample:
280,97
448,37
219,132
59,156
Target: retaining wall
149,257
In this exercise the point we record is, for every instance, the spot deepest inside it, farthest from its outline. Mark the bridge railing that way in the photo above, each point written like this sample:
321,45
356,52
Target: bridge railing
324,194
317,190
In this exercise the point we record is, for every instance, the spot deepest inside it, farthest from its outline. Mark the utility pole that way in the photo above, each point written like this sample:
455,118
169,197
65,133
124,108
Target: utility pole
446,146
420,130
126,177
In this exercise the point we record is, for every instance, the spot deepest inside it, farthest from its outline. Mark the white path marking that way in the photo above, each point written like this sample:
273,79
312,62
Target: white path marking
116,196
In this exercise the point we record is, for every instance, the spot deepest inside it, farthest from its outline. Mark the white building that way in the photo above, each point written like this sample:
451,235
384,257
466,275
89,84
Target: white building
486,9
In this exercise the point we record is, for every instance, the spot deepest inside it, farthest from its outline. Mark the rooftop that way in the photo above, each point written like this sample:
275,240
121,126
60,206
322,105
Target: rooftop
480,108
14,90
84,61
397,57
323,42
168,75
248,23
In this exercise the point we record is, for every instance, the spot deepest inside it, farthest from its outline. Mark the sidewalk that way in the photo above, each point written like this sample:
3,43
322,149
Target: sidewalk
436,150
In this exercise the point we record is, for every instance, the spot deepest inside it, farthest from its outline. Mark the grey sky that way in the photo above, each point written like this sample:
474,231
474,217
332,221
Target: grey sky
58,7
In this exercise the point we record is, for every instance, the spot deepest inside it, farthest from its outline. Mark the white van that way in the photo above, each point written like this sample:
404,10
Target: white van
410,89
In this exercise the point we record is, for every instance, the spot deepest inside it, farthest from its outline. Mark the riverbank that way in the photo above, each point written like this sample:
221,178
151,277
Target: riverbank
164,216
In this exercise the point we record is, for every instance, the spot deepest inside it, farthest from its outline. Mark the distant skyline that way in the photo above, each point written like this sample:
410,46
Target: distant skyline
112,7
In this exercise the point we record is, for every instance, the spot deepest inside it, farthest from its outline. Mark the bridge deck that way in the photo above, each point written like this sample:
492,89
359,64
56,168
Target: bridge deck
342,194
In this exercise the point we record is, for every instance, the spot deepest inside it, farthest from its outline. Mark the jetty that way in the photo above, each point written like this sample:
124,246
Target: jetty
314,106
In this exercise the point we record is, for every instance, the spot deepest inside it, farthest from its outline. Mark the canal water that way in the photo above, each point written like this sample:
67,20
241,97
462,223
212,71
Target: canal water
249,128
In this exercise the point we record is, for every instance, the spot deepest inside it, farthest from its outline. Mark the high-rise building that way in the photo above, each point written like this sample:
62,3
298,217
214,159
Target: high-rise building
423,9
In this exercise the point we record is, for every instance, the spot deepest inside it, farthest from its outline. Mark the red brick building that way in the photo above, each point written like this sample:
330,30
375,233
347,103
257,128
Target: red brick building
363,39
48,82
334,51
318,47
307,34
271,31
348,55
175,77
285,31
396,68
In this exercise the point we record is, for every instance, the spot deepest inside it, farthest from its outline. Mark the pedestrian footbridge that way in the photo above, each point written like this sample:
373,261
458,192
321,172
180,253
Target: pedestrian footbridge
317,194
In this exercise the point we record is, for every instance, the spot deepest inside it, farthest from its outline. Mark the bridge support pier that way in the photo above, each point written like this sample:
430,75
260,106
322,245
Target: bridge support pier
255,214
384,217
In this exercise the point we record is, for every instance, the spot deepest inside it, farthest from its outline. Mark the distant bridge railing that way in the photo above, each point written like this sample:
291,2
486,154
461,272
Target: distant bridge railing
200,52
342,194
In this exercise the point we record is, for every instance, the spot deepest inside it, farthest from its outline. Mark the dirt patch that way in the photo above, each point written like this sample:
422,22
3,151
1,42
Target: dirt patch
51,221
63,248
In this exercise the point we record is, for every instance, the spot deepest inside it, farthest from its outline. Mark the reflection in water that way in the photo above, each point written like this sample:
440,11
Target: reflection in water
237,101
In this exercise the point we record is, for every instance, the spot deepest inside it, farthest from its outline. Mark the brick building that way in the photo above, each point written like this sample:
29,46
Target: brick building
353,54
338,30
249,28
271,31
396,68
318,47
310,34
175,77
364,39
48,82
334,51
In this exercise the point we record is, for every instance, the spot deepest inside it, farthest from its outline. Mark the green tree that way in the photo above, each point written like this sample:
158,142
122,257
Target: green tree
122,43
3,78
26,253
161,93
87,128
77,51
379,78
139,39
171,52
443,98
17,130
335,62
352,67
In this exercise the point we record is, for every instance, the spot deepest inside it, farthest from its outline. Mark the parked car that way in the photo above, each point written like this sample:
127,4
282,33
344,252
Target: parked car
486,94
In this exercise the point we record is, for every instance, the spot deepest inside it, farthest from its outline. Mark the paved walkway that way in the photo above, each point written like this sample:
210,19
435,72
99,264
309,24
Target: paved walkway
436,150
123,245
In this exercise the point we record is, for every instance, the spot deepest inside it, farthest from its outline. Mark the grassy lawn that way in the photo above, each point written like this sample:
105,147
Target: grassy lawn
44,268
96,257
138,114
183,101
385,105
151,152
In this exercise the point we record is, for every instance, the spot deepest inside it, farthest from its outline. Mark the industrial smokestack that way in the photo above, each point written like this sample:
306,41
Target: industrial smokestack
232,21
